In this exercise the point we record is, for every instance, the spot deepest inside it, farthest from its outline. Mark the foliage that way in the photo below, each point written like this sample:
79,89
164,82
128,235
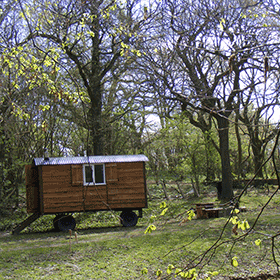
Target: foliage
180,152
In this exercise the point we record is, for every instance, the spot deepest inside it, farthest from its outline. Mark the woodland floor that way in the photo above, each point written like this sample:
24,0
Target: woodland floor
105,250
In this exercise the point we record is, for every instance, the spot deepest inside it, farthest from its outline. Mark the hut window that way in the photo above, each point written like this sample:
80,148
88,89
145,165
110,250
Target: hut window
94,174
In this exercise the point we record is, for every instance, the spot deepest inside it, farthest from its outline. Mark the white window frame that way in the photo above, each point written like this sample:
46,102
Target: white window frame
93,175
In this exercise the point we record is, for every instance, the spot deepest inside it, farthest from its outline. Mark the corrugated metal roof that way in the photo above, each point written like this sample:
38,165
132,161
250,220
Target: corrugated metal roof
89,159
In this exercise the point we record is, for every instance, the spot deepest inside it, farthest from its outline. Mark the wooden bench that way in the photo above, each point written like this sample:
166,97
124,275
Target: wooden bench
200,209
213,212
208,210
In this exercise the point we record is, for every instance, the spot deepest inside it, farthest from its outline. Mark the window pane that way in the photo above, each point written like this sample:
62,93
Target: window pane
99,178
88,172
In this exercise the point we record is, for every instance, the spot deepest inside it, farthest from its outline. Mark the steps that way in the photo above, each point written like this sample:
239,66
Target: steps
26,223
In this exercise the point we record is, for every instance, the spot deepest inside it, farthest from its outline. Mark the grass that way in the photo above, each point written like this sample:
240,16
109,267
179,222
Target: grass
107,251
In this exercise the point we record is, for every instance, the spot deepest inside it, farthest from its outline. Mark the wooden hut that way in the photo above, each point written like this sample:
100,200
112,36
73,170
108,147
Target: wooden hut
91,183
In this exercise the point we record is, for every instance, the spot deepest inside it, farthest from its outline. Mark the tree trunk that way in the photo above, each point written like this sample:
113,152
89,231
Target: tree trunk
164,189
196,193
227,182
239,148
258,158
195,176
210,172
96,142
180,189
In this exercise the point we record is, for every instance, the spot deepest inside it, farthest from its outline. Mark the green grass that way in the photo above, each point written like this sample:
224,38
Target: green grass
105,250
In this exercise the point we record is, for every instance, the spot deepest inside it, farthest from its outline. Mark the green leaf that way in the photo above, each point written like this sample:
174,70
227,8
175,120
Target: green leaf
222,21
159,273
169,269
236,211
163,212
149,229
233,220
234,262
91,33
178,270
163,205
258,242
44,107
144,271
191,273
214,273
47,62
191,215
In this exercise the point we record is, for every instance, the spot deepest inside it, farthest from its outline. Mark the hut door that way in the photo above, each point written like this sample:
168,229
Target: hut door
32,189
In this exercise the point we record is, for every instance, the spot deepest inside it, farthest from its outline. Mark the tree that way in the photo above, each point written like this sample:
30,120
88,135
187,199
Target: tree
11,132
203,57
89,37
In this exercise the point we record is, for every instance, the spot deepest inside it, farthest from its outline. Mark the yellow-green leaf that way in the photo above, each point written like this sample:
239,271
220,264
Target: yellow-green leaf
222,22
191,215
162,205
233,220
169,269
234,262
149,229
144,271
236,211
258,242
159,272
242,225
163,212
214,273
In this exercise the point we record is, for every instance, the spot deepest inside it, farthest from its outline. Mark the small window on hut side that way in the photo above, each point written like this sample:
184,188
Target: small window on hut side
94,174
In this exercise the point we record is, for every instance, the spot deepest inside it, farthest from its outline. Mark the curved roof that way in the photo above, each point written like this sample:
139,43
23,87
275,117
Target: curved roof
89,159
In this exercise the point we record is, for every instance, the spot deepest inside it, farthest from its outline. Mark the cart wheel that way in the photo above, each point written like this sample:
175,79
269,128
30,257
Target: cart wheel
128,219
64,223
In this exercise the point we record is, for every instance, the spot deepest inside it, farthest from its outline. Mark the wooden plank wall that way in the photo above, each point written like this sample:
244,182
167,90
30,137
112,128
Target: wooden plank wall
63,190
59,195
129,190
32,189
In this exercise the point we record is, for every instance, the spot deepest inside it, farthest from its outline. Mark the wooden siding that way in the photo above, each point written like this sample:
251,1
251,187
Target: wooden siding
111,172
77,174
62,190
129,191
96,198
57,191
32,189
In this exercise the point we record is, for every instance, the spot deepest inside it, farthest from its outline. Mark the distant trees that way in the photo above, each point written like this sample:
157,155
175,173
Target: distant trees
180,152
208,56
12,132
